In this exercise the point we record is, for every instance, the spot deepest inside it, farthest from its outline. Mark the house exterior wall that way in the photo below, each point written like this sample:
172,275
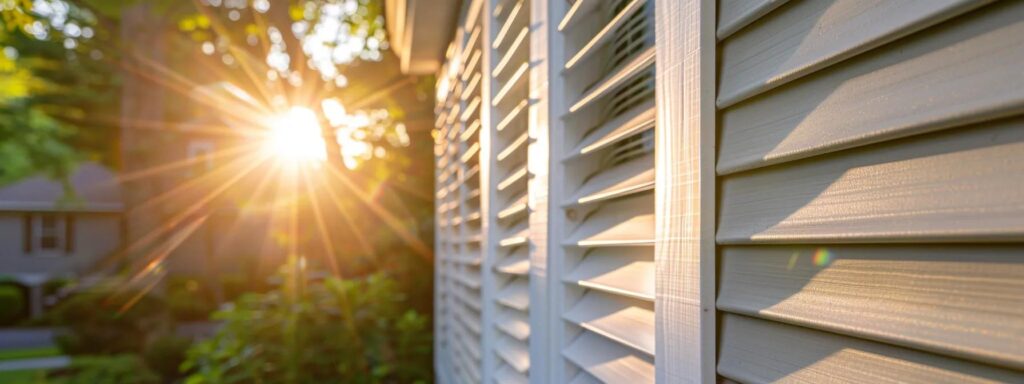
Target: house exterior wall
834,194
95,235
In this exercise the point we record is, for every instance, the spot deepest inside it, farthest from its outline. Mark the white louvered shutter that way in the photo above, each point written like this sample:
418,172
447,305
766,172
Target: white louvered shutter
605,200
509,225
459,252
870,213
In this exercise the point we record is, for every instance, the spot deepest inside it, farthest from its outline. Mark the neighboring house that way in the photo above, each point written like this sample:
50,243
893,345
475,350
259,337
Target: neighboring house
45,235
696,191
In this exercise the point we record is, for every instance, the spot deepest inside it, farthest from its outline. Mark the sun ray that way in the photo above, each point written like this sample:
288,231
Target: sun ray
160,254
181,188
155,170
360,239
173,222
321,225
389,219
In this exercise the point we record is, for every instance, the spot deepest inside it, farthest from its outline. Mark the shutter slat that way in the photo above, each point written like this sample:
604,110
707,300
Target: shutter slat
625,179
518,238
576,12
472,88
607,32
513,323
473,128
506,27
517,264
512,115
515,353
515,295
625,321
515,208
508,375
959,300
951,186
639,63
517,80
963,71
608,361
638,119
584,378
518,145
757,351
808,36
622,271
516,177
514,52
620,223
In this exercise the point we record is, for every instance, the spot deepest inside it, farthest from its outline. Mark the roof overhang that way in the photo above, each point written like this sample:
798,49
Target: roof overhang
420,32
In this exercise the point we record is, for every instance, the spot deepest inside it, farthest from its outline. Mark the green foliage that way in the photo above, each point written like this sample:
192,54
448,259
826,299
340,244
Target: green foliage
117,369
165,353
351,331
12,304
189,300
100,323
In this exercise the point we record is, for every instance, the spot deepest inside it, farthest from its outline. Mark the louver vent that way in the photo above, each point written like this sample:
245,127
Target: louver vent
607,155
509,222
458,148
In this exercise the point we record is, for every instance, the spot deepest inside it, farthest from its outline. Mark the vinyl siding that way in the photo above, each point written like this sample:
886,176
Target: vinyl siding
871,205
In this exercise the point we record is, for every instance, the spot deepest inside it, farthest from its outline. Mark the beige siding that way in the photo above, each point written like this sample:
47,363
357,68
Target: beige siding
871,207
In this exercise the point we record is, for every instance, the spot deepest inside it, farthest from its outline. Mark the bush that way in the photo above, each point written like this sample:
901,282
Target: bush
104,323
352,331
12,304
165,353
118,369
187,300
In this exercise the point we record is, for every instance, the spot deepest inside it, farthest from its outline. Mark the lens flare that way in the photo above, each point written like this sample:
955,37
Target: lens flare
822,257
295,136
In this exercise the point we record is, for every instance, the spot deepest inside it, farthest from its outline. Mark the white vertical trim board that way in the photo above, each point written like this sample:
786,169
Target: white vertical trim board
538,165
685,193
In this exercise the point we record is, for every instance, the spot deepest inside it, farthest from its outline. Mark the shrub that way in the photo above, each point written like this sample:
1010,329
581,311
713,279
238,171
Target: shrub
165,353
187,300
352,331
12,304
104,323
117,369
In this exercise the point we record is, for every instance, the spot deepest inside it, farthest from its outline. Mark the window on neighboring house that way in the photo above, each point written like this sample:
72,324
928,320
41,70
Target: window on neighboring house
48,232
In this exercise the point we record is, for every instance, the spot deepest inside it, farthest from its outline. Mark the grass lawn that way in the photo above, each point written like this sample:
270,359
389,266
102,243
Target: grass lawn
28,376
27,353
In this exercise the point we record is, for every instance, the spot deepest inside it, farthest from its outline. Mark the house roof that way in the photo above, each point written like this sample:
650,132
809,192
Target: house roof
96,187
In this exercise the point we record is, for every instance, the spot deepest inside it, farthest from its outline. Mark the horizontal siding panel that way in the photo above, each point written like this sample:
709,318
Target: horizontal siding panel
810,35
623,271
629,322
758,351
733,15
963,71
608,361
950,299
957,185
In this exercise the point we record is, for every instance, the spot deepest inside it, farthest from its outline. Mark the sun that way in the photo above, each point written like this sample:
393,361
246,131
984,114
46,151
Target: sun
295,137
